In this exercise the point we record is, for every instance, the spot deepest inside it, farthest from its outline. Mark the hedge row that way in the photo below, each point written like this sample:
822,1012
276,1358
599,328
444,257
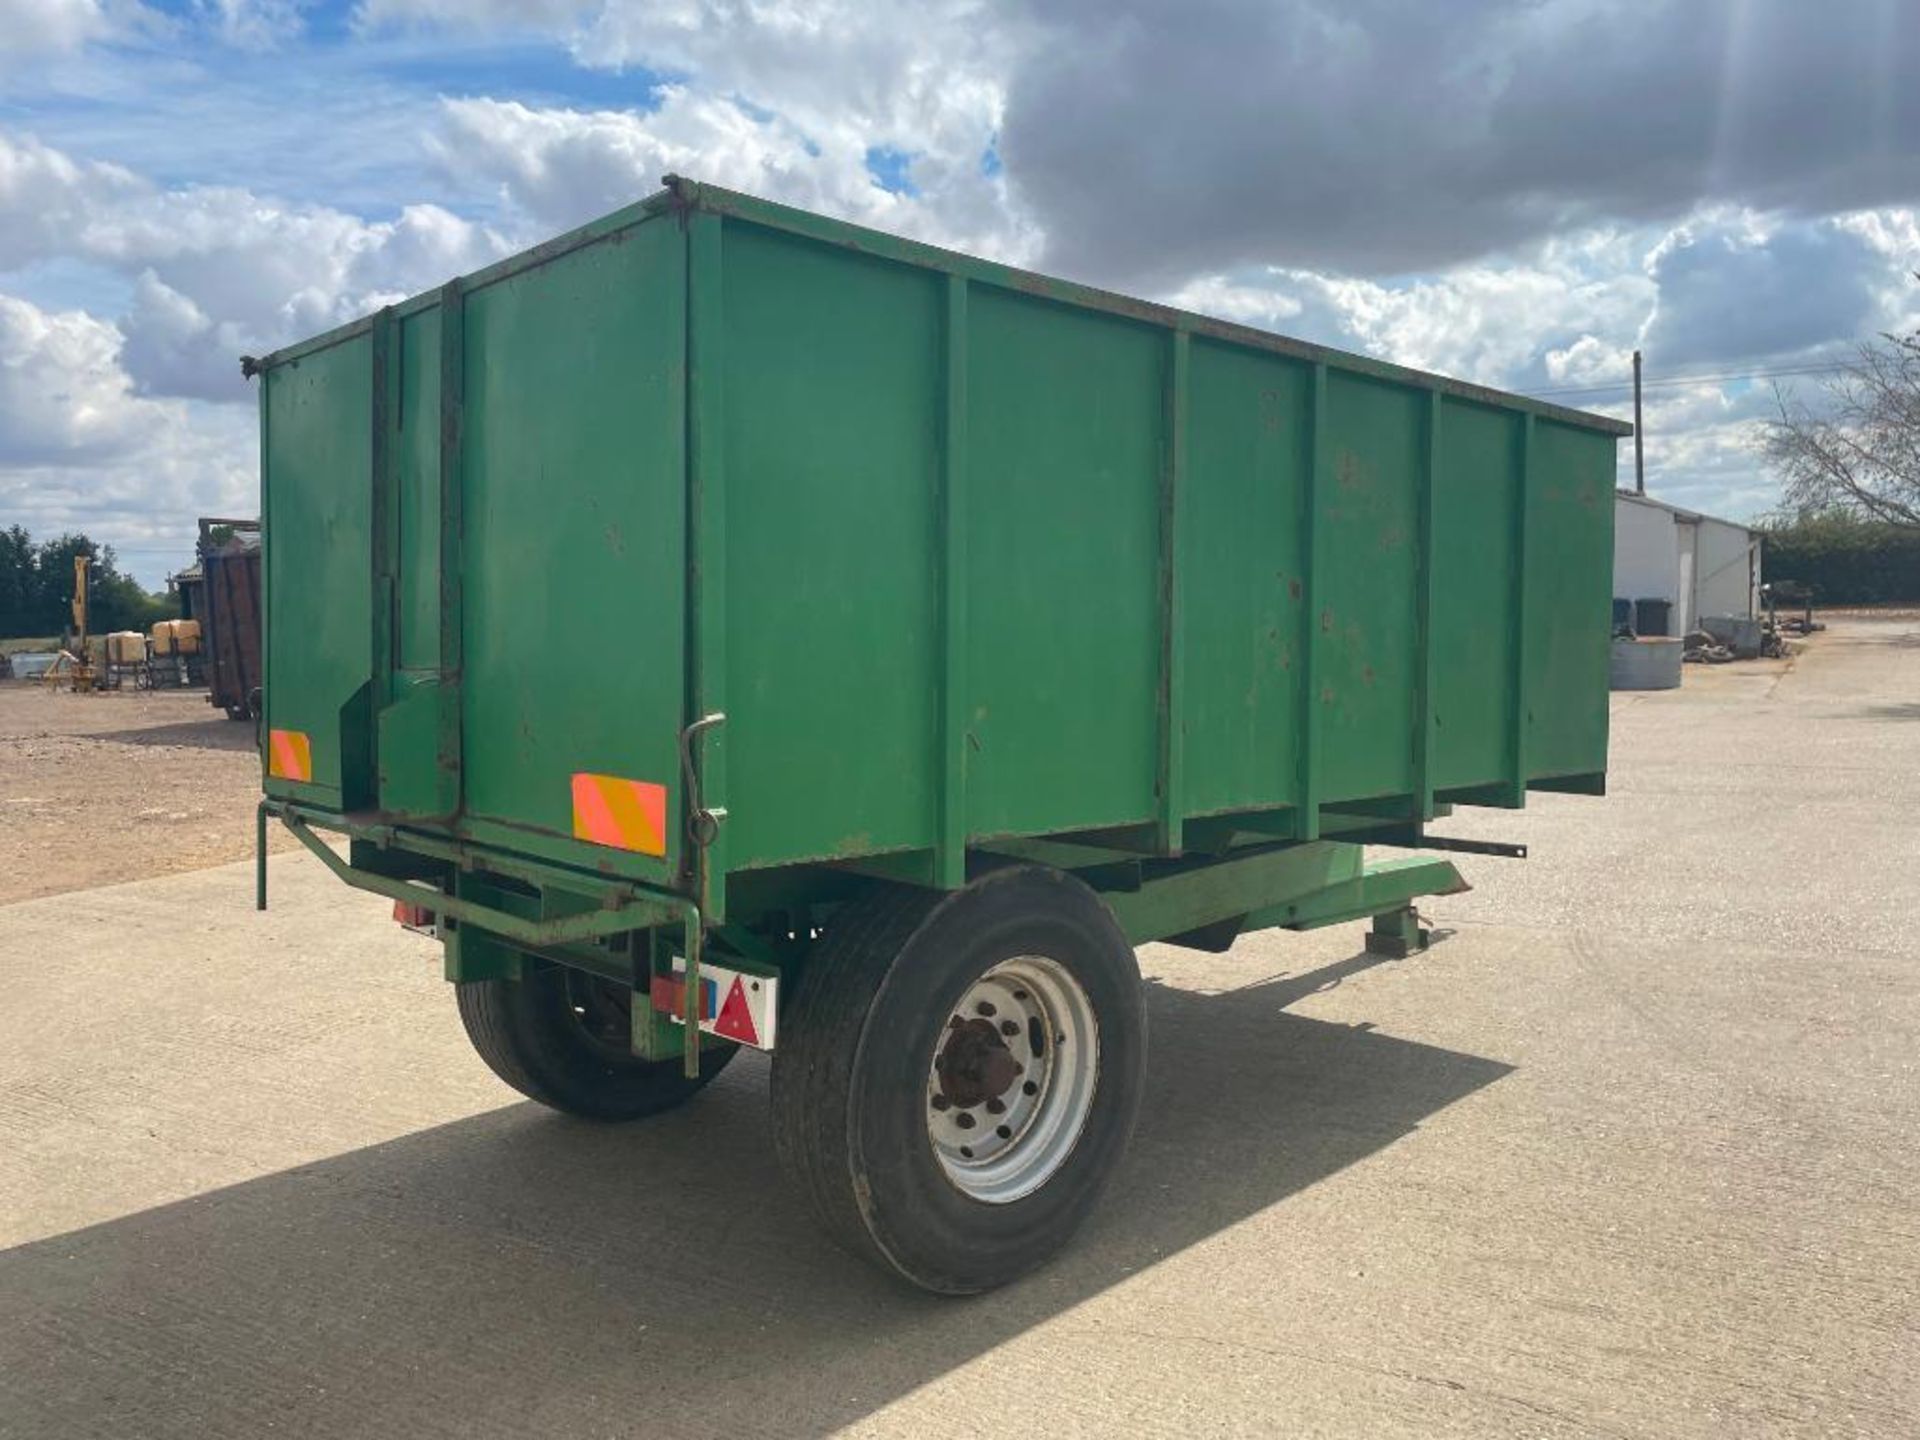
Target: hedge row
1847,562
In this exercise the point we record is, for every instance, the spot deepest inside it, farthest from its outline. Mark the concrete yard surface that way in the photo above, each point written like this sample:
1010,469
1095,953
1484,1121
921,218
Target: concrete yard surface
1634,1150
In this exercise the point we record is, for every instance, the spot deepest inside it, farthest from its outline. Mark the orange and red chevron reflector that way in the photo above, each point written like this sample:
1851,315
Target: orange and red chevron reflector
290,755
626,814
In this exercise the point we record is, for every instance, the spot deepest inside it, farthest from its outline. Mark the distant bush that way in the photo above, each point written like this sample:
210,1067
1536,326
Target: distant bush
1844,559
36,588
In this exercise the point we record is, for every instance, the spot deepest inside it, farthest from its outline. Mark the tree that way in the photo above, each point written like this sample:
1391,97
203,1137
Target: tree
19,585
1860,452
36,588
54,565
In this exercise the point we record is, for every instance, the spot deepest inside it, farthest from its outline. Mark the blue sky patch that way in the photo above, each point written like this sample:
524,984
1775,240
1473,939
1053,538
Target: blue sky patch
891,169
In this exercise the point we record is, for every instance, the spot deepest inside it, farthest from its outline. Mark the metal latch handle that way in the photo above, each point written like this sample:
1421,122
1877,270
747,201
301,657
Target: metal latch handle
703,824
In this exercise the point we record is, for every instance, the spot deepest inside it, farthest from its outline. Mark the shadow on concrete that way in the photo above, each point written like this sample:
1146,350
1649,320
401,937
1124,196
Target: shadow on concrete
519,1273
1903,710
216,732
1893,632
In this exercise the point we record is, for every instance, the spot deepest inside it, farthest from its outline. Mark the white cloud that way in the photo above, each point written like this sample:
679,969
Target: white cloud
1518,321
1588,360
262,274
926,75
255,24
564,167
221,270
473,14
33,29
81,449
1264,300
786,96
38,30
130,426
45,196
63,394
1735,286
1703,449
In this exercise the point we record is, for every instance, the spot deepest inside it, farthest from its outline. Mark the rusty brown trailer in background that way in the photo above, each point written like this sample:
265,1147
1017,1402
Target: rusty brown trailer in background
230,621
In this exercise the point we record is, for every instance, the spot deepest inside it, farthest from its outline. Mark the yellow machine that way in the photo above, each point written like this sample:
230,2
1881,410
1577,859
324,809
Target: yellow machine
74,668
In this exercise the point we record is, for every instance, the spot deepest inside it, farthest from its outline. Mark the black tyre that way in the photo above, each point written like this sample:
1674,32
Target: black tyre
957,1077
561,1036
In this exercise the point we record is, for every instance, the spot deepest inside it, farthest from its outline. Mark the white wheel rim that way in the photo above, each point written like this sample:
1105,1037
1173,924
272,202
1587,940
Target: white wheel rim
1011,1079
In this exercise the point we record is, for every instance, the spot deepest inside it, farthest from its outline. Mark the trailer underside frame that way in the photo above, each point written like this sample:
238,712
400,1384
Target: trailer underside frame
492,908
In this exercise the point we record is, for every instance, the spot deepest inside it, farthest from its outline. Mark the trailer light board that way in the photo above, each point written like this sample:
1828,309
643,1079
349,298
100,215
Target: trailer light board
734,1005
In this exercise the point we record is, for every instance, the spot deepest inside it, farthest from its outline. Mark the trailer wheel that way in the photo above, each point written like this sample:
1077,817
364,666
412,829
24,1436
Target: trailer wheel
561,1036
957,1076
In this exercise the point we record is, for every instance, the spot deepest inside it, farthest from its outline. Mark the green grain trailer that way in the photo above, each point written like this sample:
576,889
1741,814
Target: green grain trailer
876,644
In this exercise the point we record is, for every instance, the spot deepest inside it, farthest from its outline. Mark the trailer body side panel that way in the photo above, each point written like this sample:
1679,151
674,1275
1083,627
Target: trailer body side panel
965,556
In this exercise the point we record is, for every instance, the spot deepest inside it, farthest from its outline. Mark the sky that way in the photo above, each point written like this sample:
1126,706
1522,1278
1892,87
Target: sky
1515,192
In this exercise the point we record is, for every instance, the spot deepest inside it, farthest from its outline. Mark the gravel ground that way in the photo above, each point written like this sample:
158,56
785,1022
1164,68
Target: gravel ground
96,789
1630,1152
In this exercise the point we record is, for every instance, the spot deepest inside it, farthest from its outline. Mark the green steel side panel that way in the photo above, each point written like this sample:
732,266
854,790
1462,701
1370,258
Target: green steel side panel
1066,416
963,553
832,429
1474,556
1245,580
1570,578
411,782
1367,530
416,454
318,465
573,572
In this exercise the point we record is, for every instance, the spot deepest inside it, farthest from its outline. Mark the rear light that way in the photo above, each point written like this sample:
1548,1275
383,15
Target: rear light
413,917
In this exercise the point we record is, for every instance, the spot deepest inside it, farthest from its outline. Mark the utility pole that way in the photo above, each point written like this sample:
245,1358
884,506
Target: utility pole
1639,446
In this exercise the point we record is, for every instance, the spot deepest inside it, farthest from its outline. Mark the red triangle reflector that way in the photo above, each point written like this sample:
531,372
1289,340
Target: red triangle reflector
735,1020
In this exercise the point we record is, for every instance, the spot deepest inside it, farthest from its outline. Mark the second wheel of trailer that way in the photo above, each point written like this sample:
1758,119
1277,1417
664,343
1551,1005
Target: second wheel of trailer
958,1075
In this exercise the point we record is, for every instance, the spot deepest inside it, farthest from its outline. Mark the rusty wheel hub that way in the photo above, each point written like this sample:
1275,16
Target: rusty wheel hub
975,1065
1012,1079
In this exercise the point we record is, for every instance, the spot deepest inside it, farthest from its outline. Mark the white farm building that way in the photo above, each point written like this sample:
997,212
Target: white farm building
1700,566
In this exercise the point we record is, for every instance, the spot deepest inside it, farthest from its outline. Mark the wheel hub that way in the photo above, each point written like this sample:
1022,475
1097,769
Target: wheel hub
1011,1079
975,1065
602,1012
